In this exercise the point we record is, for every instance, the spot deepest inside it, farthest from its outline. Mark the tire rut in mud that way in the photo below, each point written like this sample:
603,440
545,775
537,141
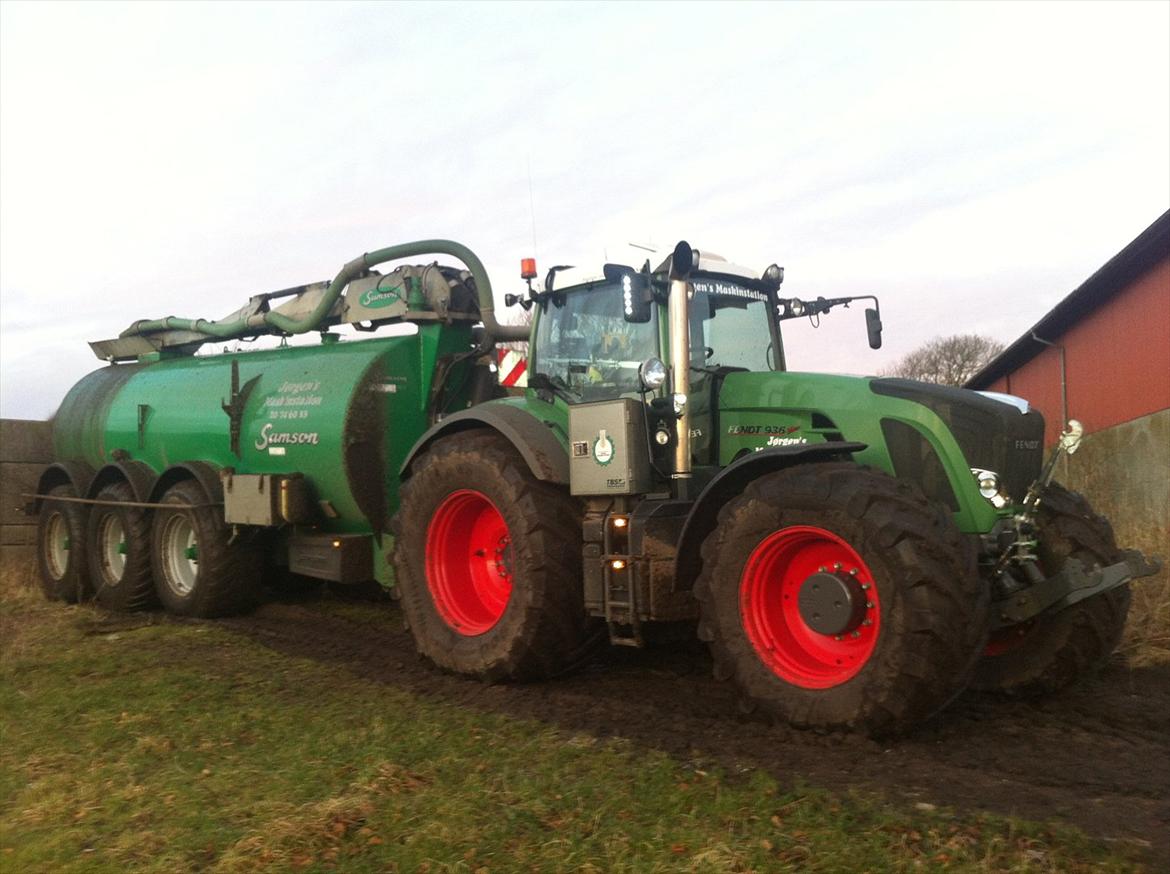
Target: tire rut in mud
1096,756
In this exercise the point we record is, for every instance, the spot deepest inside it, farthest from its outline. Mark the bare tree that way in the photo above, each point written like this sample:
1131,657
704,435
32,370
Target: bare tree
947,360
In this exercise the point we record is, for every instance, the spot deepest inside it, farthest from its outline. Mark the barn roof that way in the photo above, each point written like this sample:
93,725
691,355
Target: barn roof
1150,247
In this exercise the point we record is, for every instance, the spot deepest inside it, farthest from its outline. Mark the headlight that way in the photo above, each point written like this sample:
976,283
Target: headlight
989,487
652,373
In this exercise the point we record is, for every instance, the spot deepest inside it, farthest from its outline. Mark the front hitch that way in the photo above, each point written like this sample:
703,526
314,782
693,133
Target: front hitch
1073,583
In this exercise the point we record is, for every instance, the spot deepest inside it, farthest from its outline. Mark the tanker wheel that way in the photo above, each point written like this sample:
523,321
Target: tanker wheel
1047,653
197,571
488,563
837,597
118,546
61,561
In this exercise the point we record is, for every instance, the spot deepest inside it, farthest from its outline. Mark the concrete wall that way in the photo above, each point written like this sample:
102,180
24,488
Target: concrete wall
1125,472
25,449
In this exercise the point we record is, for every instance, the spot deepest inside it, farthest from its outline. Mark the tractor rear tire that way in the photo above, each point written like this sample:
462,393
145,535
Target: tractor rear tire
197,571
487,561
1046,654
118,546
903,625
61,563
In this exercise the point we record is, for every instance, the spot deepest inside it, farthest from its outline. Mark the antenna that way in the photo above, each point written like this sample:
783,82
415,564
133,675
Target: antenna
650,249
532,208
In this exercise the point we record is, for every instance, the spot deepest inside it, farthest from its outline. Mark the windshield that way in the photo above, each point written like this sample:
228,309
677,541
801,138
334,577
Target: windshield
585,344
729,327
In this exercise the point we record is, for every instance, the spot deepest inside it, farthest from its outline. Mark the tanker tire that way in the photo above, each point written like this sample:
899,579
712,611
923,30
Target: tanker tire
926,633
543,630
133,589
1053,651
216,578
63,571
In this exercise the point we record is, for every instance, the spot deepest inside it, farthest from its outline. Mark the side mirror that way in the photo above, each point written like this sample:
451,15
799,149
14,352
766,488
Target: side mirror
636,298
873,326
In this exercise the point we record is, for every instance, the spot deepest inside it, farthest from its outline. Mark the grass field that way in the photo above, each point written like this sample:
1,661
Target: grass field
149,744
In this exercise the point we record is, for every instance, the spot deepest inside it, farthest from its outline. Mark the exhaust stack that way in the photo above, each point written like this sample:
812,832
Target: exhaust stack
684,260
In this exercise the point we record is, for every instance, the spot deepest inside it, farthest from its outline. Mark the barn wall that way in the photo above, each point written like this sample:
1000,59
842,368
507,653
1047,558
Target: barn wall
1117,361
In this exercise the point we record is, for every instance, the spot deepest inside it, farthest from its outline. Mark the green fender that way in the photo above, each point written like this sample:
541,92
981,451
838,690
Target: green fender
544,454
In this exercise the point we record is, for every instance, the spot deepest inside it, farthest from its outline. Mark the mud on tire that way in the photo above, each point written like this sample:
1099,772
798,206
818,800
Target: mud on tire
122,577
488,563
197,571
1048,653
926,626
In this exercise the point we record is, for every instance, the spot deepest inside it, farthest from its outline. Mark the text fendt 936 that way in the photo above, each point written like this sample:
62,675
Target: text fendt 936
855,551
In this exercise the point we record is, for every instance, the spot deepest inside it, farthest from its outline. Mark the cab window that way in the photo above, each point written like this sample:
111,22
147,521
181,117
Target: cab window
586,346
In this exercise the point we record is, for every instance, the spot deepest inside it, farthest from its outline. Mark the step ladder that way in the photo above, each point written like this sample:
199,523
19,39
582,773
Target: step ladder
621,601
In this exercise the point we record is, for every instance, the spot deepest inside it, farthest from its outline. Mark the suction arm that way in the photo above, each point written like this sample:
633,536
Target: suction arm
242,327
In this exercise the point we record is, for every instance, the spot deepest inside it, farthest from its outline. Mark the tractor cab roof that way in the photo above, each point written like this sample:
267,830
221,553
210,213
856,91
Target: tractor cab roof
709,262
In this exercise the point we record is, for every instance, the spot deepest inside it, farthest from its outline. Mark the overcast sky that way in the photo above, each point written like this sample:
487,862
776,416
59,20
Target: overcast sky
970,164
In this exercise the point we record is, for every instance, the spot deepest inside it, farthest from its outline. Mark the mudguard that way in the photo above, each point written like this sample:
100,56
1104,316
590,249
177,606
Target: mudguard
76,473
137,474
534,440
207,475
731,481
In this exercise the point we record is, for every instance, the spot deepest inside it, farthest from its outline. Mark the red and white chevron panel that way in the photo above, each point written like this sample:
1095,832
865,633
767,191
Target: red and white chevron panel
513,368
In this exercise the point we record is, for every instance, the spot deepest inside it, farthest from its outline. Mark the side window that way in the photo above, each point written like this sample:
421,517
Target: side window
729,331
587,347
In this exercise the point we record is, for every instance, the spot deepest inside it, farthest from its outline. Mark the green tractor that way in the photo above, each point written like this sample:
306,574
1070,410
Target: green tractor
855,551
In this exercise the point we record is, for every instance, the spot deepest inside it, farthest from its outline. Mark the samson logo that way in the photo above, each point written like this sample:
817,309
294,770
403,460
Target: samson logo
1027,444
380,297
268,437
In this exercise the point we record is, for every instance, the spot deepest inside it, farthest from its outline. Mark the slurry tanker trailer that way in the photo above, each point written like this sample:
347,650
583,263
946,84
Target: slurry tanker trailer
855,551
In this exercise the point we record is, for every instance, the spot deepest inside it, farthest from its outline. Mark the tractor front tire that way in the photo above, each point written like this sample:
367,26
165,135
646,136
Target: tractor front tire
837,597
198,570
1045,654
487,560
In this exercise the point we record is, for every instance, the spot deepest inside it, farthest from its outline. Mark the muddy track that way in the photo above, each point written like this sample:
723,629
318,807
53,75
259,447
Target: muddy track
1097,756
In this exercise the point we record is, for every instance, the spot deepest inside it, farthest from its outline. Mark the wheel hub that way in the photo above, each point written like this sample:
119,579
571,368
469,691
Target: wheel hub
831,602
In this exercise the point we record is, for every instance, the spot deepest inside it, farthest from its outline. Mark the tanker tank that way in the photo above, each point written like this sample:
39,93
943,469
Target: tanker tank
341,414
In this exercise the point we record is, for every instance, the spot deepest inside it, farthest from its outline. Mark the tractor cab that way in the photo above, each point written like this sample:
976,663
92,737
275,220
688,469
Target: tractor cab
603,338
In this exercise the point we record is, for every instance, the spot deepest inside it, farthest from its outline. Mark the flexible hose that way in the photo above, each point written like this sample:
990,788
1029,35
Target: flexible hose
245,326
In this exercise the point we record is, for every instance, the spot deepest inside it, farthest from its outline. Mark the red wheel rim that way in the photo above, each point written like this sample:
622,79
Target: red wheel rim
768,604
1007,639
469,554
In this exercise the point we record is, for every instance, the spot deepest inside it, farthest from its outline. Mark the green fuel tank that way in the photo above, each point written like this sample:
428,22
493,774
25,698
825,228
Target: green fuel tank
342,414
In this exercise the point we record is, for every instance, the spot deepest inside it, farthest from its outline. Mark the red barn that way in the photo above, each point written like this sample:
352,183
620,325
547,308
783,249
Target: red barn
1102,356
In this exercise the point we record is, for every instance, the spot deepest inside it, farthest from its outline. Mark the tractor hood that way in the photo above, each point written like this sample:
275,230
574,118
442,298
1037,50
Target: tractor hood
931,434
994,434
